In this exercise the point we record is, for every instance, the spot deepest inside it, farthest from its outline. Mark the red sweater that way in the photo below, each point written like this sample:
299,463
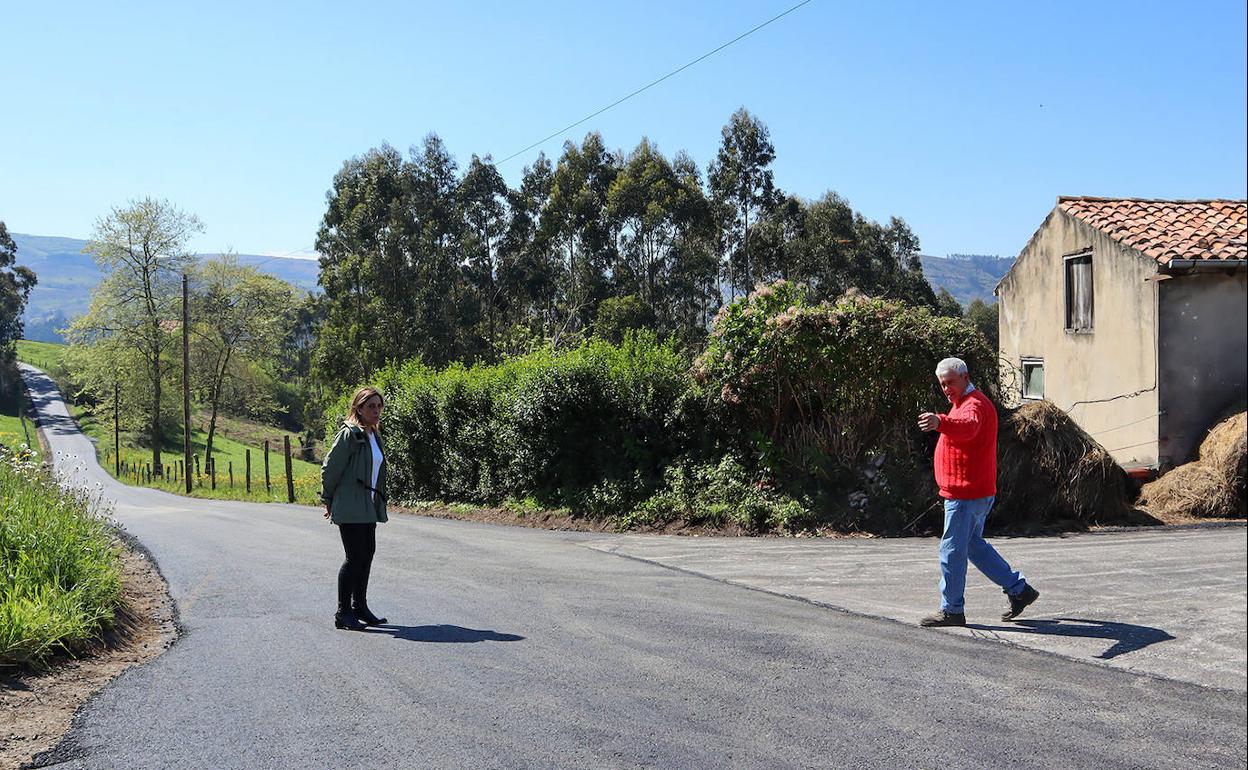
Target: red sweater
966,453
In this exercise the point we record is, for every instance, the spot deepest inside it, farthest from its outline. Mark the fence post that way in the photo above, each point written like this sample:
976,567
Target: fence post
249,472
267,486
229,464
290,479
148,478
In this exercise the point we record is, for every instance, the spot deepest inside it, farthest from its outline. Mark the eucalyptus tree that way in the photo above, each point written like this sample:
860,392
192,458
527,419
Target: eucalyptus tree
740,177
528,270
483,197
575,221
663,222
435,249
363,241
142,251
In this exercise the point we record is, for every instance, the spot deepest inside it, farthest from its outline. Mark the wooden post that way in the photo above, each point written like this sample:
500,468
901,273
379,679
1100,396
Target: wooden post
148,478
290,479
267,486
230,465
212,471
248,472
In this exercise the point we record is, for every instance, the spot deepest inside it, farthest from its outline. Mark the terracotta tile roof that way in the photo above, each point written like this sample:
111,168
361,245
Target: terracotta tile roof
1166,230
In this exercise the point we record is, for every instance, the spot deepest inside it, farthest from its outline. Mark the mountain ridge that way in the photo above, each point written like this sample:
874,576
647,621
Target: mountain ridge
67,276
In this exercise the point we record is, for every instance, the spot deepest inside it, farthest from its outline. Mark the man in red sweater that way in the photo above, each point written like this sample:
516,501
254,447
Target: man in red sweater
966,472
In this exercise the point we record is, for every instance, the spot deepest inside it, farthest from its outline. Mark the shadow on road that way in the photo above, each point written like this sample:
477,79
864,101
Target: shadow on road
58,424
443,634
1127,636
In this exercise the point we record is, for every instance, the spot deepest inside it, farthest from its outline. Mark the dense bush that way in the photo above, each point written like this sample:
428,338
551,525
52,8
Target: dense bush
59,572
796,416
555,426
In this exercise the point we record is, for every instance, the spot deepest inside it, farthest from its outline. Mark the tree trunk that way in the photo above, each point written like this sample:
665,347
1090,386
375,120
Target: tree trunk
215,398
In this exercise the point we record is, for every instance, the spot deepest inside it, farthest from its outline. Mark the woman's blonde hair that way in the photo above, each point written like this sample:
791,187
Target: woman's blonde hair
357,403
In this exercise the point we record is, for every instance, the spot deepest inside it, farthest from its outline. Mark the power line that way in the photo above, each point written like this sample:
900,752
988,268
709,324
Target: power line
653,83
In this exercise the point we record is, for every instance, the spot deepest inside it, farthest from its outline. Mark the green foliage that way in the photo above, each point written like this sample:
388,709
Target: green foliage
142,250
239,318
16,282
825,389
947,305
797,415
619,315
719,494
548,425
59,572
421,260
985,318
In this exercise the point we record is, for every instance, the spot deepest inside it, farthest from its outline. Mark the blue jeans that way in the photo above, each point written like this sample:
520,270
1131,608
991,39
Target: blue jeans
963,539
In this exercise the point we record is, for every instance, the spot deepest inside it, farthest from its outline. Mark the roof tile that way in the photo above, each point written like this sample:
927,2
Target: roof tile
1166,230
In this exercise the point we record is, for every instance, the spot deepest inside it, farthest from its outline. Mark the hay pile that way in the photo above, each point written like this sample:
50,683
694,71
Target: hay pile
1050,472
1212,486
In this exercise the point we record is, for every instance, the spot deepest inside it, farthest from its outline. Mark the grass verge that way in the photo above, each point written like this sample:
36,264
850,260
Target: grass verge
60,579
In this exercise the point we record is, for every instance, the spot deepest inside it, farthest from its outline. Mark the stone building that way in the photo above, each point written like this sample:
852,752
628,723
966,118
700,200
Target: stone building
1130,314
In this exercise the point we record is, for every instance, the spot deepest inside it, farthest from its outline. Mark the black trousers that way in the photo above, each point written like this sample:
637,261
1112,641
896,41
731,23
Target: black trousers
359,543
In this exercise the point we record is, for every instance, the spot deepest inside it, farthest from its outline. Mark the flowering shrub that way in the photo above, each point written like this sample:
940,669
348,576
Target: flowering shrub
826,389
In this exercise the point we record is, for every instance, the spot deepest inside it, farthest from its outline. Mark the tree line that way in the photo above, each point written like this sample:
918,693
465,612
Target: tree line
423,259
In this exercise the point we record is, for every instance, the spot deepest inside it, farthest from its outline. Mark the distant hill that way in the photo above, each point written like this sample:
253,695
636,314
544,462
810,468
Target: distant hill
966,276
67,276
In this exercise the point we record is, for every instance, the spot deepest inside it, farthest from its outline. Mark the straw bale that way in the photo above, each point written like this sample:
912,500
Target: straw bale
1212,486
1051,472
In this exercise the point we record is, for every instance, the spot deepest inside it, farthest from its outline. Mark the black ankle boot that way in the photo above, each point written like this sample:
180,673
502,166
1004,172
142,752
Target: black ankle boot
347,619
365,615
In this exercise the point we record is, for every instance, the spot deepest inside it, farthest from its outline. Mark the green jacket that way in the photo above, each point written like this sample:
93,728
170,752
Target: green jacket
347,469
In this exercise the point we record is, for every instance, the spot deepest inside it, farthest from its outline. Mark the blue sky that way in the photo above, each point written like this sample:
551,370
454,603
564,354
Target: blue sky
965,119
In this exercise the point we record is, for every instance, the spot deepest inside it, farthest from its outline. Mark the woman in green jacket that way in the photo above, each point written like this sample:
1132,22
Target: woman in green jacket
353,485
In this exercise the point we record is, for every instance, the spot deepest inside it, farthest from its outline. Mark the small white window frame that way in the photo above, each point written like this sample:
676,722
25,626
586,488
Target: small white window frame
1027,365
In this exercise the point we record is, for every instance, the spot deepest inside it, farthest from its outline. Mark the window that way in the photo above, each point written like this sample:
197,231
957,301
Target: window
1079,293
1033,378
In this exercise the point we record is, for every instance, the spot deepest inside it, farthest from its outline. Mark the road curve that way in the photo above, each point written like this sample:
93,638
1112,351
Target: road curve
518,648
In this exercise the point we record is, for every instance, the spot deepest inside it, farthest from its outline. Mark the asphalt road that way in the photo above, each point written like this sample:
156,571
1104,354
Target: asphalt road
516,648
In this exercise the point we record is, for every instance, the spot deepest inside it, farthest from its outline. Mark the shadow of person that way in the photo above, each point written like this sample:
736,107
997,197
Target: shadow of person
1127,637
443,634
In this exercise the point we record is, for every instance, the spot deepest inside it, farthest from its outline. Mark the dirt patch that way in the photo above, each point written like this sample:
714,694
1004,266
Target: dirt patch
565,521
36,708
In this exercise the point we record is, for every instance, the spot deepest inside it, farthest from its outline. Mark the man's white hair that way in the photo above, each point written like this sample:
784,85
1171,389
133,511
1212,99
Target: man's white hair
951,366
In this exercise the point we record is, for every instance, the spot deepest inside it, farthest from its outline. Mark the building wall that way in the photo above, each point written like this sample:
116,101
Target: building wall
1204,357
1115,364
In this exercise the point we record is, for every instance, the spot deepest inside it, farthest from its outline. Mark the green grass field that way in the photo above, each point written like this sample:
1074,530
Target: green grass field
44,355
15,430
228,453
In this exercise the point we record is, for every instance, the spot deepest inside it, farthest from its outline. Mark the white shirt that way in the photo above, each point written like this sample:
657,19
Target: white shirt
377,458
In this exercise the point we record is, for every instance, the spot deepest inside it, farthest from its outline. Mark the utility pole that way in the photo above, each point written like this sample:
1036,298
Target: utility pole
116,429
186,381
